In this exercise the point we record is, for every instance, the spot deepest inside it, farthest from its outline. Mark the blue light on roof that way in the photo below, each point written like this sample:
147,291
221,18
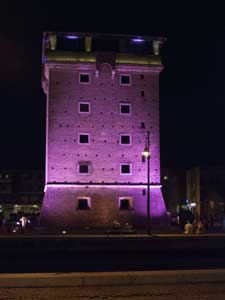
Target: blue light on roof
138,40
71,37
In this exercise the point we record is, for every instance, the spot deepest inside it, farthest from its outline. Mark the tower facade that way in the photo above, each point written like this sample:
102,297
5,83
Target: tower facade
102,96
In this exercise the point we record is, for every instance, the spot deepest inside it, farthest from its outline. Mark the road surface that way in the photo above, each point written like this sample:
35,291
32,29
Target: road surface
157,285
203,291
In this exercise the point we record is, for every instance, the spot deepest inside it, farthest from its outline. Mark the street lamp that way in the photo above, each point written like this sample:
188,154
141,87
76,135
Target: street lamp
147,154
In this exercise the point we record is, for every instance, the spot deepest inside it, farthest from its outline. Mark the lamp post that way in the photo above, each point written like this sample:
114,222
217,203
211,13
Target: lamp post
146,153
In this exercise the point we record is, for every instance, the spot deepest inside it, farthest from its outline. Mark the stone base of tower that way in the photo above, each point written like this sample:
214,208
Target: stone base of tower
59,208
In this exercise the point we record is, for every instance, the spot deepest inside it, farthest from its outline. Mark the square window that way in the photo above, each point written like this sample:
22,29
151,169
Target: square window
83,203
125,79
84,78
125,139
125,169
84,107
84,138
126,203
125,108
84,168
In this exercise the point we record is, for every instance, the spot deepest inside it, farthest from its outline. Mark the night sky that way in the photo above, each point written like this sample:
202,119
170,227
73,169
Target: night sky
192,85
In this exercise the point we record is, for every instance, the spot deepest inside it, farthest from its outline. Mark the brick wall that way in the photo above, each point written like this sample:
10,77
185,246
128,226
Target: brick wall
60,207
104,124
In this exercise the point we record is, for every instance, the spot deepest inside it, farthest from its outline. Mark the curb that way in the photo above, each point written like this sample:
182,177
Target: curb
110,278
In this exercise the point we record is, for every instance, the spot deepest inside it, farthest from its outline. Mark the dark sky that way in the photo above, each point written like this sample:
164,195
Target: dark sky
192,85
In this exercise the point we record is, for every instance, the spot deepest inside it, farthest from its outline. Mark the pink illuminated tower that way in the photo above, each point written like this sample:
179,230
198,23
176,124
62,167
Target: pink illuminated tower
102,96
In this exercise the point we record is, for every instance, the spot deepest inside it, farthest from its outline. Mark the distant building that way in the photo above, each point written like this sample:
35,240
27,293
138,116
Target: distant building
21,192
173,187
102,95
206,193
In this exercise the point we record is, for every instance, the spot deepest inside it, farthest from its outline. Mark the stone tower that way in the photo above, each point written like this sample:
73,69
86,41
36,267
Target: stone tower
102,96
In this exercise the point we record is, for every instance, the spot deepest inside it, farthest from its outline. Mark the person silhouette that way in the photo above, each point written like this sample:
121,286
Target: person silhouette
23,223
188,228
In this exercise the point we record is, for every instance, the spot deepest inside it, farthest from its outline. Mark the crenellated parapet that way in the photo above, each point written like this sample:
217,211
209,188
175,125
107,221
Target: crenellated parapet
98,49
95,42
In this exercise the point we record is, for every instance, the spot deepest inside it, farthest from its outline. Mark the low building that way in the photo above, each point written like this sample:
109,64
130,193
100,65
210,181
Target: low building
174,192
206,194
173,187
21,192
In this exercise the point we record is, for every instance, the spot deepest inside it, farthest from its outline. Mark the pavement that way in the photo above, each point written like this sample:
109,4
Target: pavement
80,235
163,285
111,278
